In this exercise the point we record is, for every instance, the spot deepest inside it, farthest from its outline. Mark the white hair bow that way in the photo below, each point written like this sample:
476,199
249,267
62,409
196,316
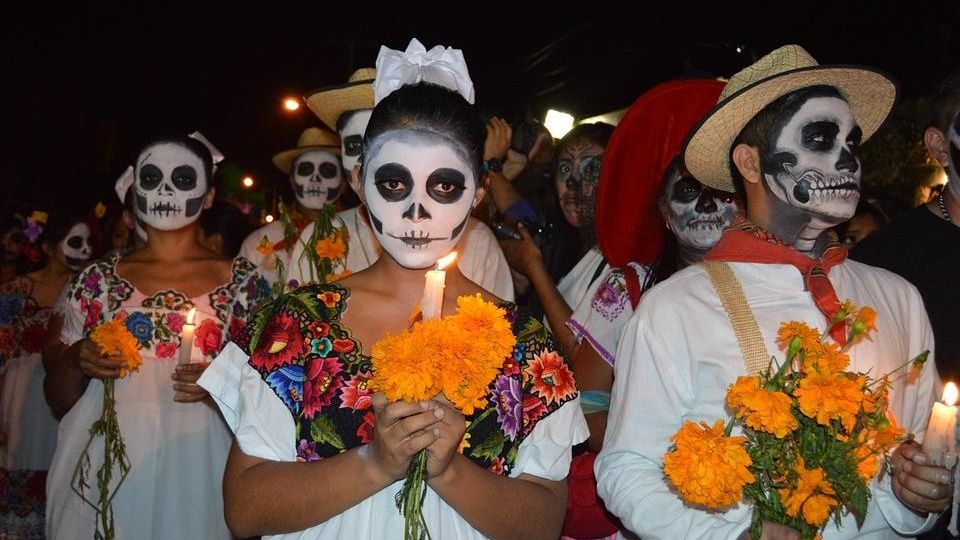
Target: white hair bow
122,185
440,65
215,153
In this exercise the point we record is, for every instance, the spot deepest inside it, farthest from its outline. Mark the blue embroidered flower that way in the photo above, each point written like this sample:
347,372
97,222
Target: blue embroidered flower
140,326
10,307
321,346
509,401
287,382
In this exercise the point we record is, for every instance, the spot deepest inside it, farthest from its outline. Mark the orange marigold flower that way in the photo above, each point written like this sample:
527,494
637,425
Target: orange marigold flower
762,410
265,248
867,463
331,247
864,322
792,329
812,497
113,338
825,396
707,467
825,358
743,388
329,298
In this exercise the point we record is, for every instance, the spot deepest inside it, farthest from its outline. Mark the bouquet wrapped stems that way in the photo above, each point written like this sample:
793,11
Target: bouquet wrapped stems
410,498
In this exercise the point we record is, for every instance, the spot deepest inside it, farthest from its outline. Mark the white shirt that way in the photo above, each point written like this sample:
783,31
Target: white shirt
481,260
267,264
678,355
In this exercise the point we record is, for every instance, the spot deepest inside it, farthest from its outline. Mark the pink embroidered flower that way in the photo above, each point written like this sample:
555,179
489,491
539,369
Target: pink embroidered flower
166,349
93,309
510,366
323,381
208,337
356,395
174,321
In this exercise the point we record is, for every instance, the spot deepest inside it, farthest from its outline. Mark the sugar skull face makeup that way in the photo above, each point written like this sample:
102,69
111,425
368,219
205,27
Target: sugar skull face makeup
76,246
317,178
419,190
351,137
578,177
170,186
811,163
697,214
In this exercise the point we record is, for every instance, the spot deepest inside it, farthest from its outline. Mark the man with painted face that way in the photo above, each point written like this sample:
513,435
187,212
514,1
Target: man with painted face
177,445
347,108
28,429
316,178
420,176
785,133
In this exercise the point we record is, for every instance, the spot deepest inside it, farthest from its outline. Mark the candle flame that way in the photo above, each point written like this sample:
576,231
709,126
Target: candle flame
447,260
190,315
950,394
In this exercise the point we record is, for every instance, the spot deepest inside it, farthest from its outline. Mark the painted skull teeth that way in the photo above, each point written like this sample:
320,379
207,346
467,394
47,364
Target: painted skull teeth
416,239
165,209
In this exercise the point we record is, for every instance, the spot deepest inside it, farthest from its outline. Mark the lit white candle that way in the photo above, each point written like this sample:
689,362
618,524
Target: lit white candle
186,337
940,440
431,305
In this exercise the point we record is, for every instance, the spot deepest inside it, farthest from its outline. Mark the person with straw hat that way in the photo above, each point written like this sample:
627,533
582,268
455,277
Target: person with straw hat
278,248
785,134
347,108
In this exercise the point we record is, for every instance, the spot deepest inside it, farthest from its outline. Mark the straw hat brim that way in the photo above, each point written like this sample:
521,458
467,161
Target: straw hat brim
284,160
330,103
870,93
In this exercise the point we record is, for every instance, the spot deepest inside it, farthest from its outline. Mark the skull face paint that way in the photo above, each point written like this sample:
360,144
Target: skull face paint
351,137
812,163
578,177
697,214
953,165
316,178
76,246
170,187
419,190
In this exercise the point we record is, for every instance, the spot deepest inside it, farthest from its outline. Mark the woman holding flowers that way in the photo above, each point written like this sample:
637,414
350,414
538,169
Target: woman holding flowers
29,431
168,446
332,397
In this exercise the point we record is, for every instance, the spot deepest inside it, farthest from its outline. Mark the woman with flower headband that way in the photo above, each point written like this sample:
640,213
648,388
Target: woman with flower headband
318,453
28,431
175,443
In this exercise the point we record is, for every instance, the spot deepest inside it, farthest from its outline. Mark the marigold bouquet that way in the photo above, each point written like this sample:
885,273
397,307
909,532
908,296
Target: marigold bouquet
458,356
814,434
115,340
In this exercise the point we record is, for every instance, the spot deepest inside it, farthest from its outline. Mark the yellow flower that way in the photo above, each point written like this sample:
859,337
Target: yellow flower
465,441
827,396
331,247
707,467
329,298
113,338
812,496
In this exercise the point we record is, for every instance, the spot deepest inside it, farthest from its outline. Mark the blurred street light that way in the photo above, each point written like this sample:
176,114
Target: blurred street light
268,218
558,123
291,104
247,182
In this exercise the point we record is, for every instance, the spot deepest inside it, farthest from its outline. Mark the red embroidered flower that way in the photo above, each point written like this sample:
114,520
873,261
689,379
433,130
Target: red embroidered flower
166,349
279,343
236,326
365,431
511,367
92,308
533,410
208,337
174,321
329,298
496,466
550,376
323,381
318,329
355,394
7,344
31,340
343,346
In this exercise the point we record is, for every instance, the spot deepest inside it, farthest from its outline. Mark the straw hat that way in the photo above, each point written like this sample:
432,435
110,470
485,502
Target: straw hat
647,138
330,102
869,92
311,139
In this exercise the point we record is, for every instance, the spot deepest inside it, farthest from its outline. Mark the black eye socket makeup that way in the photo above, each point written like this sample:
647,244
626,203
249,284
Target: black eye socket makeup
446,186
819,136
329,170
352,145
184,178
393,181
305,168
150,177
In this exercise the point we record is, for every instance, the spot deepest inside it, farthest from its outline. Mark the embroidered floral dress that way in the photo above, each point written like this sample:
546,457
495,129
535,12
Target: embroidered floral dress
27,429
177,451
302,395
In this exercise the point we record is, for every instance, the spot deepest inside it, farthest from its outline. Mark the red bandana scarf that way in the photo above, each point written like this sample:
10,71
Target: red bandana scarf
746,242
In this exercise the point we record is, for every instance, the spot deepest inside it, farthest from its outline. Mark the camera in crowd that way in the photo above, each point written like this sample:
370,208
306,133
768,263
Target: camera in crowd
525,135
505,229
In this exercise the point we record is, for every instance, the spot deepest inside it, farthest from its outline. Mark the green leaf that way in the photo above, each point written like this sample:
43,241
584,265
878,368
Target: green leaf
530,330
322,431
491,447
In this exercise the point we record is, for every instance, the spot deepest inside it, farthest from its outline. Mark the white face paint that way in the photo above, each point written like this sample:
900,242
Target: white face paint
697,214
351,137
170,187
953,164
812,163
76,245
316,177
419,191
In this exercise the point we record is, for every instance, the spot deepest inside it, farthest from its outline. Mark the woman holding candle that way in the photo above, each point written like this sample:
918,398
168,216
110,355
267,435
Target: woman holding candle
323,456
177,445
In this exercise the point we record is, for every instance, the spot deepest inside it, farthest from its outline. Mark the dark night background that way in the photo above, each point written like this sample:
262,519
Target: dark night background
83,89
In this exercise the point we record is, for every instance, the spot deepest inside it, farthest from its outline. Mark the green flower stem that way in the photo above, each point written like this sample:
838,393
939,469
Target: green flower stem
410,499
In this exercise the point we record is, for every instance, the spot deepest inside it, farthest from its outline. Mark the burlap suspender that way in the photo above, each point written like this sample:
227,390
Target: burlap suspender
728,288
